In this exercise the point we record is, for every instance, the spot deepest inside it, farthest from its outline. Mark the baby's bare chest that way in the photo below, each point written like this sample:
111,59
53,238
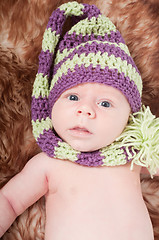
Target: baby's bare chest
90,202
74,182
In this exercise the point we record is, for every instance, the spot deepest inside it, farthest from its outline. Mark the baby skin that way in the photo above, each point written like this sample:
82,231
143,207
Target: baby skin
82,203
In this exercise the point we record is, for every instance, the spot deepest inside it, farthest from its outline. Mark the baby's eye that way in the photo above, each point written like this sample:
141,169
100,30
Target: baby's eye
73,97
105,104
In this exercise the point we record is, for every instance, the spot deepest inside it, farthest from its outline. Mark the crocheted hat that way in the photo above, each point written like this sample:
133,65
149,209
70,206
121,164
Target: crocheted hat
93,50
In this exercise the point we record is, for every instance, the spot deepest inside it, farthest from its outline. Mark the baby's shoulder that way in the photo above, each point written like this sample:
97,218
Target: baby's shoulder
44,161
41,160
41,157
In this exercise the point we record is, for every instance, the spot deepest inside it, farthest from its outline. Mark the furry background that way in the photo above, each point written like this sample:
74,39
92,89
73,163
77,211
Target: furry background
22,24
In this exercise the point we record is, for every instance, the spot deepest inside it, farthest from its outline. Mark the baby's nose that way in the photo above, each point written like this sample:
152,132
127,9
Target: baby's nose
86,111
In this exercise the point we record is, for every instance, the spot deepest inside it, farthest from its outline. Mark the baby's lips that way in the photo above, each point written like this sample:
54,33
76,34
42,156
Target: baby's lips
83,129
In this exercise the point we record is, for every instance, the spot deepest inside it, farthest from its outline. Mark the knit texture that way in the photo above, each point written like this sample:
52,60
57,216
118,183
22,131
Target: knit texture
93,50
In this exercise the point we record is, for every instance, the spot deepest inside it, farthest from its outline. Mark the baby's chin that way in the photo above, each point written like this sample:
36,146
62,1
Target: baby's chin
86,145
84,148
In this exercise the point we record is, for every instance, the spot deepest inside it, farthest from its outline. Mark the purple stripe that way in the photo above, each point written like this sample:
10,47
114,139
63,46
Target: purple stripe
131,151
47,142
106,76
72,40
90,11
95,47
91,159
39,108
45,63
56,21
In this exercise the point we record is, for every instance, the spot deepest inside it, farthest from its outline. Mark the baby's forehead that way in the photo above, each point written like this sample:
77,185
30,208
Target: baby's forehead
95,87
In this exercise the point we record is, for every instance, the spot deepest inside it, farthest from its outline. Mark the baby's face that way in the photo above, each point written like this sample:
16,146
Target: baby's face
90,116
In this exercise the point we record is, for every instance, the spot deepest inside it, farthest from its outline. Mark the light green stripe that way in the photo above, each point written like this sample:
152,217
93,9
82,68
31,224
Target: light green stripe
41,86
113,155
99,59
40,126
72,8
99,26
66,52
50,40
65,151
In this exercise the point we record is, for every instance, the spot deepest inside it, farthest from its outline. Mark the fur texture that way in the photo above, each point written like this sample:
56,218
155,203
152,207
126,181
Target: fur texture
22,24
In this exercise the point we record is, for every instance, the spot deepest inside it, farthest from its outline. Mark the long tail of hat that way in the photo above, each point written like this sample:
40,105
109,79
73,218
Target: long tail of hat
40,109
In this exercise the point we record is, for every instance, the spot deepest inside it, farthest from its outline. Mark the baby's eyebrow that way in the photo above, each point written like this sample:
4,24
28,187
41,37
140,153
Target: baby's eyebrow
69,92
110,95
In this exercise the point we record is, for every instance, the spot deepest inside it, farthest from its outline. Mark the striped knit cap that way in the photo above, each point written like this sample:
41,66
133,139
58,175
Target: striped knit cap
93,50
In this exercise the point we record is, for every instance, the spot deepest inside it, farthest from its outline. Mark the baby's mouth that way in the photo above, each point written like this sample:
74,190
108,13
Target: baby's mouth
80,131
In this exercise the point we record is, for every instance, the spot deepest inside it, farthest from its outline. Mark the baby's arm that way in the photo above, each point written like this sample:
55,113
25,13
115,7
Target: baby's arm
22,191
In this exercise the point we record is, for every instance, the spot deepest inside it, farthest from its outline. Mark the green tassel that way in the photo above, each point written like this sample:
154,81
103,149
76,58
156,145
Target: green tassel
142,134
